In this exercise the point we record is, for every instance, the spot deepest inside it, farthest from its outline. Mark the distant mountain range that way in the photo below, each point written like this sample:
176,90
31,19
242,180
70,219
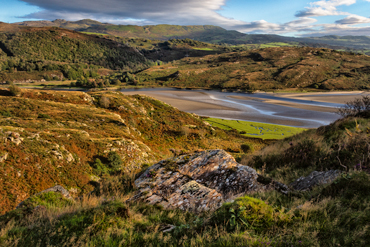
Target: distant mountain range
205,33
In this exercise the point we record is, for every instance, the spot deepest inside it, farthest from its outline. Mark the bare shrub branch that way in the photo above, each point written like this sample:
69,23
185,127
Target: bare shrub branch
356,107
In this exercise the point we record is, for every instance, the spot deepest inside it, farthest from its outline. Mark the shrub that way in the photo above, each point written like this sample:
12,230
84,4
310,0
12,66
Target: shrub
104,102
246,147
114,160
14,90
5,113
99,167
358,107
42,115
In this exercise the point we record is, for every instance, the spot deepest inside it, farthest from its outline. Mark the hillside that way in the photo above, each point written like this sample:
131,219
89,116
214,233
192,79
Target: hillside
56,138
265,69
211,34
42,53
331,214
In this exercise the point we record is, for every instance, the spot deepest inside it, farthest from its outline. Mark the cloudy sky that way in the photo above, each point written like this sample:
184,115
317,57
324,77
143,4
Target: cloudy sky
283,17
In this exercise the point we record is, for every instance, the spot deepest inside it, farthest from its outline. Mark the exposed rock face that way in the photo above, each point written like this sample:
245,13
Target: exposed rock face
315,178
197,182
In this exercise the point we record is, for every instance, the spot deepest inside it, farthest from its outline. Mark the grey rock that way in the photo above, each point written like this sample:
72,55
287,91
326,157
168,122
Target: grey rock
196,182
168,228
315,178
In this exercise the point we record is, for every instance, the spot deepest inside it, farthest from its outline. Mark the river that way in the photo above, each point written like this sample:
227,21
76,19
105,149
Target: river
309,110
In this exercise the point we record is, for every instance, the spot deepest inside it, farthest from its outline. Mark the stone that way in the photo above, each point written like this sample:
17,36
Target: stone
14,137
315,178
69,158
57,154
197,182
167,228
3,157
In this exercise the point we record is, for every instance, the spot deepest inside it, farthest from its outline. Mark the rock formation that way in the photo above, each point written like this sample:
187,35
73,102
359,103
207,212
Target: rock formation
197,182
315,178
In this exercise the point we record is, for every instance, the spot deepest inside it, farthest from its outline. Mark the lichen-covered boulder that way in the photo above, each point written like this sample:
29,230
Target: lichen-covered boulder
197,182
315,178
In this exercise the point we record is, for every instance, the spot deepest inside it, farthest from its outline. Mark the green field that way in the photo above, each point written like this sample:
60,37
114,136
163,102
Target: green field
203,49
91,33
254,129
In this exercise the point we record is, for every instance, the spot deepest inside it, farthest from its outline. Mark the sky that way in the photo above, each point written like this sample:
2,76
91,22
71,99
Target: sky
282,17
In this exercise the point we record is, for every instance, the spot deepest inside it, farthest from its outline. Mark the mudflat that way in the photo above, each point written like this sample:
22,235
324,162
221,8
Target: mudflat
330,97
308,110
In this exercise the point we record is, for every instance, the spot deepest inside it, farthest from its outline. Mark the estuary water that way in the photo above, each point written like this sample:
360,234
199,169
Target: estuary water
299,110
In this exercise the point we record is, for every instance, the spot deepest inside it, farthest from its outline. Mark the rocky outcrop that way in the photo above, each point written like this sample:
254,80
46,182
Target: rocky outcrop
197,182
13,137
315,178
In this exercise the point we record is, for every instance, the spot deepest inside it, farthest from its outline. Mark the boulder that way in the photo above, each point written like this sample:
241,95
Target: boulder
315,178
197,182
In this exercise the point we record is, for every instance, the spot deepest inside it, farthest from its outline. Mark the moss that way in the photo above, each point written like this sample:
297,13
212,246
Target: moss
249,213
48,199
171,165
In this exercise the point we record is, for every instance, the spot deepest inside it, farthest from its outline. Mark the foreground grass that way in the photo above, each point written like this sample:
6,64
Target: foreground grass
253,129
332,215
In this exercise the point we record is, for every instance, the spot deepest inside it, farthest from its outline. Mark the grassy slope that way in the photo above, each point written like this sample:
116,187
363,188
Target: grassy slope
253,129
139,129
330,215
269,68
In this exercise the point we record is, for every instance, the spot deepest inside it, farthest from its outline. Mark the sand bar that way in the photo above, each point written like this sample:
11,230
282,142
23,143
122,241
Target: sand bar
308,110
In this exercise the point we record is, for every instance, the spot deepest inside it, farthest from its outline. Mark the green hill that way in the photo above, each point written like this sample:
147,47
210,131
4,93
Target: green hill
265,69
39,53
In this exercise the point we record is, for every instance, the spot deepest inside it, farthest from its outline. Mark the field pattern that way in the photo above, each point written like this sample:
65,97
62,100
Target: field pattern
254,129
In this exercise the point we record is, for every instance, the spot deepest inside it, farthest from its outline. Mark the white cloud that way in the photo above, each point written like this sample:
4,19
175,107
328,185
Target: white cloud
353,20
188,12
325,8
335,29
194,12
